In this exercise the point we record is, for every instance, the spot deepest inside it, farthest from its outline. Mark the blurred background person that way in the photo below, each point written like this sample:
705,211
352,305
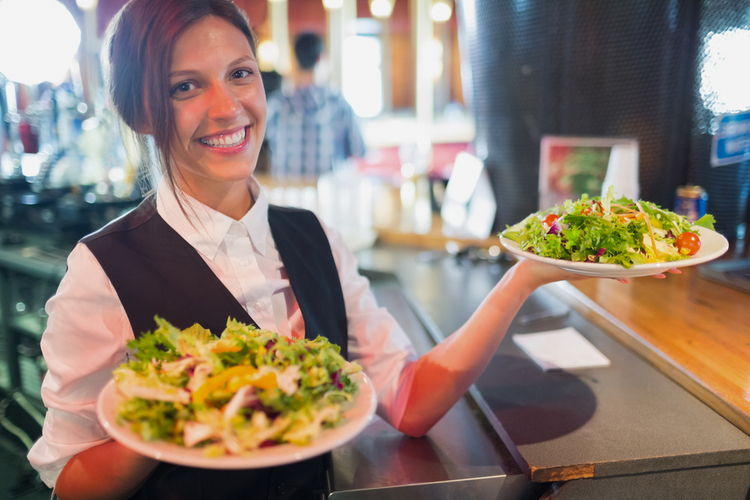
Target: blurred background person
271,84
313,128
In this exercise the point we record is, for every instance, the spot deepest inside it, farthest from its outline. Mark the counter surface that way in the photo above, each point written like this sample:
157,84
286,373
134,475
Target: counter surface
694,330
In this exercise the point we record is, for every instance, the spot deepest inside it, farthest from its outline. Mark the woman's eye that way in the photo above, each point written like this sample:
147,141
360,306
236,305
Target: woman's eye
241,73
181,88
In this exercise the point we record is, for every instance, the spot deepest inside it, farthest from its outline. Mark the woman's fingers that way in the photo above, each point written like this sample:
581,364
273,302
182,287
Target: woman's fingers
671,271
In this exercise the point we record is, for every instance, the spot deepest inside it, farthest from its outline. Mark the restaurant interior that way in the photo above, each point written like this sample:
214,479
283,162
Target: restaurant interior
471,112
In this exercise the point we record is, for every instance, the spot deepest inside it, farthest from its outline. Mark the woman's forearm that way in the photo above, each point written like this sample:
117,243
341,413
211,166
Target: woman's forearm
107,471
443,375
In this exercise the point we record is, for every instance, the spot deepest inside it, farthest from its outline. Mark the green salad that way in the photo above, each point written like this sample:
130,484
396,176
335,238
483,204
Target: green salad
247,389
610,231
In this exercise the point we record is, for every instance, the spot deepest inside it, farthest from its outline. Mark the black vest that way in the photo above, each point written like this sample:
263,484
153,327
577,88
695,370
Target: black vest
156,272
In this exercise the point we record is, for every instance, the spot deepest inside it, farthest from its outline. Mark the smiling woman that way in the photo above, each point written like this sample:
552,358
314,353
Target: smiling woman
207,248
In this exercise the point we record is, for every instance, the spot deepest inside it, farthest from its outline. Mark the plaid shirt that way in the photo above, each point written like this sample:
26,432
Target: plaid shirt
310,131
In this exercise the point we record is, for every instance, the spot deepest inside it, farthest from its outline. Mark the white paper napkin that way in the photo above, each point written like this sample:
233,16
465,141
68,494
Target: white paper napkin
560,350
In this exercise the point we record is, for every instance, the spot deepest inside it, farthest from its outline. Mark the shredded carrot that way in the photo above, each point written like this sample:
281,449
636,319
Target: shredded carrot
624,217
650,229
630,210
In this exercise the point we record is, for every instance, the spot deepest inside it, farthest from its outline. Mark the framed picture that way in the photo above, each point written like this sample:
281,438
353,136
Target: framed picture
572,166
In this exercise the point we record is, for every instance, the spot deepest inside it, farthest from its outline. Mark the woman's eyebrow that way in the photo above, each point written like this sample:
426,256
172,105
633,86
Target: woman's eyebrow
192,71
242,59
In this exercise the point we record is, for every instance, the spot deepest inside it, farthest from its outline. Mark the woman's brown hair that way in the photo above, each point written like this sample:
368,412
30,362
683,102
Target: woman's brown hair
138,54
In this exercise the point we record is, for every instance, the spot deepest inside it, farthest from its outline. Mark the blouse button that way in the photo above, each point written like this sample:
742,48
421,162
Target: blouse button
281,489
244,262
258,306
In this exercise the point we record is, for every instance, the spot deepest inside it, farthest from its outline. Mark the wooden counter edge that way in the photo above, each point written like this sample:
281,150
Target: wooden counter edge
533,473
613,327
567,473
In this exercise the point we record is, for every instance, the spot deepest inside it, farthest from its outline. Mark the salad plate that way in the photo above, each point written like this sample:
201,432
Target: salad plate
357,415
713,245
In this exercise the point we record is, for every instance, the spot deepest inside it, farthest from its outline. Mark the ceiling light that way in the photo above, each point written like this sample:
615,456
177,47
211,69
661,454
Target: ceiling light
44,37
441,11
381,8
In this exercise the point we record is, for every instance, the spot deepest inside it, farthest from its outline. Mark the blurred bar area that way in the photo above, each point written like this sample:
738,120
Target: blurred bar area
455,101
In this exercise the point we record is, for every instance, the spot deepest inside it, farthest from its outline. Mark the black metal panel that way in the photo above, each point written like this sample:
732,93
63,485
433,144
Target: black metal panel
727,186
583,68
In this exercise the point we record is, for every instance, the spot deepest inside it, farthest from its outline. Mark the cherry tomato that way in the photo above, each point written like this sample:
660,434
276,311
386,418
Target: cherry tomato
688,243
550,219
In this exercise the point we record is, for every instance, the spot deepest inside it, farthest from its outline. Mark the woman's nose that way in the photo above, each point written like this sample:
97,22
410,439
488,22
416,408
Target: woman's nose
224,105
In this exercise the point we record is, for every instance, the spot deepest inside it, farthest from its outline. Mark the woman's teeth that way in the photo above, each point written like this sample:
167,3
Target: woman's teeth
226,141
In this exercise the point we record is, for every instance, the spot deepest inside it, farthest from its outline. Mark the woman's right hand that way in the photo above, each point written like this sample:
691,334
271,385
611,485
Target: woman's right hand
107,471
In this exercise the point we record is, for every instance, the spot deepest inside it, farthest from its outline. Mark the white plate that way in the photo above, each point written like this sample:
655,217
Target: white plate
357,415
713,245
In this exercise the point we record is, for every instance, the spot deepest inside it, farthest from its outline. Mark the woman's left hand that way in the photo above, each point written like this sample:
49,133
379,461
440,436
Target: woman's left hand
658,276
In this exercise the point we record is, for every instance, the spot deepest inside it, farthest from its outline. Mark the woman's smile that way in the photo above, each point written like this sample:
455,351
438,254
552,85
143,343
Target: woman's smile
225,140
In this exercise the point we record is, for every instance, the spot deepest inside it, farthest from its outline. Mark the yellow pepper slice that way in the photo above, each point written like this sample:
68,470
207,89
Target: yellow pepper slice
219,380
235,377
265,381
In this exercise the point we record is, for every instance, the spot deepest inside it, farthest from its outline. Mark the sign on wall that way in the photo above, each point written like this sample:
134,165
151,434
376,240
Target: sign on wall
731,144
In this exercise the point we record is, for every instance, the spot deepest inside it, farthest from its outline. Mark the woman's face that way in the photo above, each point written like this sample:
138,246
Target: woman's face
219,108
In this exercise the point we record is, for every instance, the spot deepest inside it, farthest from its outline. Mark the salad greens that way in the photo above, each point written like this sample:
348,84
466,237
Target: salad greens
606,230
247,389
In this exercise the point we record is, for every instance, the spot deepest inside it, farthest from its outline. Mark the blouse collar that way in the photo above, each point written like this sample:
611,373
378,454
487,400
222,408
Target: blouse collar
204,228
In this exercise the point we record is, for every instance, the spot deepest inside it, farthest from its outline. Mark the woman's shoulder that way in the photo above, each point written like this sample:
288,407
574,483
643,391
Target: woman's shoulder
128,221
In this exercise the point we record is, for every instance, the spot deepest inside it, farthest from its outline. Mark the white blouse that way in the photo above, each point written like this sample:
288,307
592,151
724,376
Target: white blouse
88,329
